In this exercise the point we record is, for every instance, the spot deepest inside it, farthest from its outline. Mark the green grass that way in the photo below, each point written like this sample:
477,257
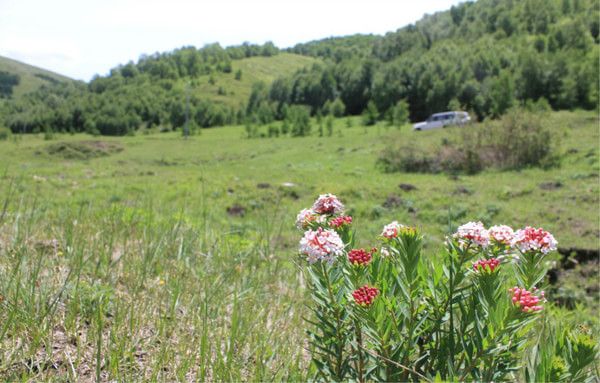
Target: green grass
31,77
130,259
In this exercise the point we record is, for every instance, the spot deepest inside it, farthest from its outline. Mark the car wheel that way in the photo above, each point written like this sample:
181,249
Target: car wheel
418,129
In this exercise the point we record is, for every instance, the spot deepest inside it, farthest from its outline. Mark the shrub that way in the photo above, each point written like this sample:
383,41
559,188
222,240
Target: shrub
5,133
387,314
48,134
273,131
337,108
298,117
518,140
400,113
329,125
83,150
370,114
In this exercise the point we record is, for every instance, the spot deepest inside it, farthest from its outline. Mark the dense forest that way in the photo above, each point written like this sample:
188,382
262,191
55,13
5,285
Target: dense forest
483,56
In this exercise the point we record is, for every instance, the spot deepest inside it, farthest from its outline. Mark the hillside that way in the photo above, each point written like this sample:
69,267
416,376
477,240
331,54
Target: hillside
483,56
154,92
226,89
31,78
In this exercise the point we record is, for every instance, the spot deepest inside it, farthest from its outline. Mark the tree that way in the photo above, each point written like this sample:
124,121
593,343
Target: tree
299,118
329,125
400,115
502,94
371,114
258,95
337,107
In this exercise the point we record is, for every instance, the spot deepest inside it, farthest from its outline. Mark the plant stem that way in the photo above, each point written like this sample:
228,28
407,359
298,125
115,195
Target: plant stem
398,365
361,362
338,332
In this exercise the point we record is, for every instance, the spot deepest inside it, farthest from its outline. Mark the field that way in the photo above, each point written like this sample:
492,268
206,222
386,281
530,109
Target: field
155,257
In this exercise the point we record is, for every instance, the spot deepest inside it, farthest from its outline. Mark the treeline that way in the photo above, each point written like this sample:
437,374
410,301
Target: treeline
183,62
155,92
484,57
73,108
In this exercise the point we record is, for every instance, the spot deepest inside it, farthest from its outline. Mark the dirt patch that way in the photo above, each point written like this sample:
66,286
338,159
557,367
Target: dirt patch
463,190
572,256
83,150
236,210
407,187
263,185
550,185
392,201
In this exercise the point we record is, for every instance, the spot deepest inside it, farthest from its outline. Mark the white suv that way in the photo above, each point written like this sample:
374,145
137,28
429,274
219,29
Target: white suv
441,120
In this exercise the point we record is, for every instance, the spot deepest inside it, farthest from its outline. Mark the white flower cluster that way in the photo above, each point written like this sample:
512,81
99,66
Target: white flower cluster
532,239
525,240
501,234
321,245
473,232
306,217
391,230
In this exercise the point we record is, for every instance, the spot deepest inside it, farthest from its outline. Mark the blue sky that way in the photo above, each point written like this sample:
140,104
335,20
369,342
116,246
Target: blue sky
80,38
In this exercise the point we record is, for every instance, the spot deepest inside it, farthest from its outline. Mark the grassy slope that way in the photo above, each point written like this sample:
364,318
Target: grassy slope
29,81
254,69
189,292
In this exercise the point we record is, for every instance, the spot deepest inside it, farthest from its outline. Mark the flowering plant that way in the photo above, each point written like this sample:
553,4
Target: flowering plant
391,315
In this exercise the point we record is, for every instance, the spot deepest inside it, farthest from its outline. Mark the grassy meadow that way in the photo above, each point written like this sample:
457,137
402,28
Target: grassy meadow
152,257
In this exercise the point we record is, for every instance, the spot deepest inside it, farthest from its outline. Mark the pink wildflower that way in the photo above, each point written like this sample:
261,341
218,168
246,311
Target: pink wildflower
328,204
341,221
321,245
526,300
473,232
532,239
365,295
391,230
384,252
486,265
501,234
305,218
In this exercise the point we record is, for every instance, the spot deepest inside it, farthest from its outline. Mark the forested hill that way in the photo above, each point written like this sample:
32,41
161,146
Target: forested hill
483,56
153,92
